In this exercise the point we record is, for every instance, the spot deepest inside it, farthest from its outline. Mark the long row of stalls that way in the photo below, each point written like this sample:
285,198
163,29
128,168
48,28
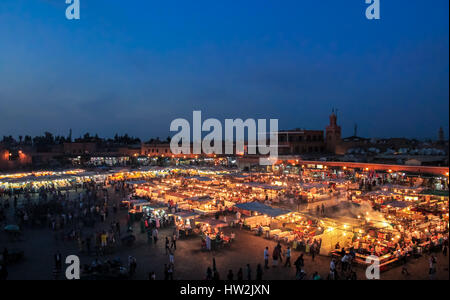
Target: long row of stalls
263,191
136,175
290,187
317,191
40,173
59,181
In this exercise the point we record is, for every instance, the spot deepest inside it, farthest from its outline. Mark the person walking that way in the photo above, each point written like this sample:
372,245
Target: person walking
299,263
58,261
249,272
152,276
132,264
344,263
171,258
259,272
209,274
104,239
230,276
301,275
216,276
266,258
313,251
288,257
404,265
432,271
167,245
155,235
240,275
280,252
333,271
174,242
275,256
149,236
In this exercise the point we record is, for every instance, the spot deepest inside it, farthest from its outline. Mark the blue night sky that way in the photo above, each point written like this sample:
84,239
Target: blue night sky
134,66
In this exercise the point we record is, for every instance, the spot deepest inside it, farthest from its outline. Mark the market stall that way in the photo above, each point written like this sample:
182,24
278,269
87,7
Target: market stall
185,222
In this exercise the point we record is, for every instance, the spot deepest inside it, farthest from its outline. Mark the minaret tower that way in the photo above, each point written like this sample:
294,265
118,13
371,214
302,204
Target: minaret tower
333,133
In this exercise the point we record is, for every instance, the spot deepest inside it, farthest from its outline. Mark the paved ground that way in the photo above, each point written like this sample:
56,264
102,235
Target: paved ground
190,262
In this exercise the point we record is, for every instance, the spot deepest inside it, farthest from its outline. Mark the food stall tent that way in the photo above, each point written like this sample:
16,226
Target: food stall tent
260,214
184,221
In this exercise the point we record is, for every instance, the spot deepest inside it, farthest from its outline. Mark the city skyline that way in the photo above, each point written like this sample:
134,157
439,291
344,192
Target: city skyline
163,138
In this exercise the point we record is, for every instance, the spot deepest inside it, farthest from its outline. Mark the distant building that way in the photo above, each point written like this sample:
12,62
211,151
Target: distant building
308,144
80,148
156,149
427,161
14,158
311,142
298,142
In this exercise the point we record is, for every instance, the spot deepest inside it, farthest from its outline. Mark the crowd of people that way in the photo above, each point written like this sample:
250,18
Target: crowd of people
88,216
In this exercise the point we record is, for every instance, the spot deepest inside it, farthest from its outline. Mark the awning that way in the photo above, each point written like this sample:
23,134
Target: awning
262,186
262,209
200,199
200,178
398,204
435,193
214,223
136,182
186,214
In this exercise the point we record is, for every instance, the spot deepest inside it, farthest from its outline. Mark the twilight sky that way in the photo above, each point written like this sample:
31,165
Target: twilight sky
134,66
